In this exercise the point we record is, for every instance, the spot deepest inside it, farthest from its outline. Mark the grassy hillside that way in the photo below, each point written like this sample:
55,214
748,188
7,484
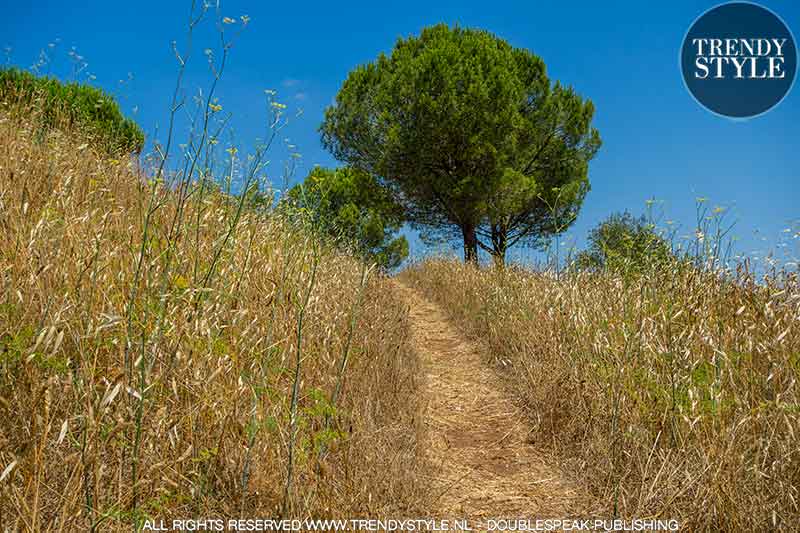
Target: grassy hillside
54,103
149,346
675,393
171,350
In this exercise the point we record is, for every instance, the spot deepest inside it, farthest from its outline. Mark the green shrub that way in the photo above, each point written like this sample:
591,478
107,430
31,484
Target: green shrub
354,208
59,104
623,243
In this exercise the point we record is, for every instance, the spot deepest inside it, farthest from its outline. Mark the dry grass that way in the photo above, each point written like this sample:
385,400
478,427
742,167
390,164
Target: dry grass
481,465
171,397
675,393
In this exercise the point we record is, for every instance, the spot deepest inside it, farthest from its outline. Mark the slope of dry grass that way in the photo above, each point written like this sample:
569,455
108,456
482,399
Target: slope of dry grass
675,393
165,390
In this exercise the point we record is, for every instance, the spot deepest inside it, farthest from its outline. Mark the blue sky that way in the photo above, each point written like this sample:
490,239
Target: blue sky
657,141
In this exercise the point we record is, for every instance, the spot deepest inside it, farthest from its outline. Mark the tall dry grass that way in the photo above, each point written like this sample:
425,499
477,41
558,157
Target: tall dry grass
150,343
676,393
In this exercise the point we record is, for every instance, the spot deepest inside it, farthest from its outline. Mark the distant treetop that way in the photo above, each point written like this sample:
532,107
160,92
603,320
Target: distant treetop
624,243
351,206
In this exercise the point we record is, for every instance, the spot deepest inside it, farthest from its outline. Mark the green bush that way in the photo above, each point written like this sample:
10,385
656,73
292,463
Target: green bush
59,104
623,243
354,208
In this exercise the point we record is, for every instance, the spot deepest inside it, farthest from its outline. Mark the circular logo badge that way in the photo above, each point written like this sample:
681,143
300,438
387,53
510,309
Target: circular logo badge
738,60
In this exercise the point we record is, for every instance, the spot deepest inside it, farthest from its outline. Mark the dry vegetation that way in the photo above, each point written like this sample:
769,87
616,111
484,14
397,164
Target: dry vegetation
674,392
164,387
168,350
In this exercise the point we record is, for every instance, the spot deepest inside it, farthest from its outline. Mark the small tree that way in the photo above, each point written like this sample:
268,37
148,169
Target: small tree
351,206
471,136
624,243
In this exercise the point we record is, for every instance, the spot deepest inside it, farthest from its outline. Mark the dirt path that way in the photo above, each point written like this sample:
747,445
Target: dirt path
482,464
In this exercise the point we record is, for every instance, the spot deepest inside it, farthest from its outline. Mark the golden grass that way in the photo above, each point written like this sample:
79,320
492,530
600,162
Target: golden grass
201,417
675,393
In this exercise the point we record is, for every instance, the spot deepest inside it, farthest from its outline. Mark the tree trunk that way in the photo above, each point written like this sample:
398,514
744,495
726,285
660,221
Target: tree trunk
470,244
499,258
499,246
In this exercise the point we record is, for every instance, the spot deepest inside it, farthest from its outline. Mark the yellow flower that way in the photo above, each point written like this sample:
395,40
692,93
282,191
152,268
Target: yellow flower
215,107
180,282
